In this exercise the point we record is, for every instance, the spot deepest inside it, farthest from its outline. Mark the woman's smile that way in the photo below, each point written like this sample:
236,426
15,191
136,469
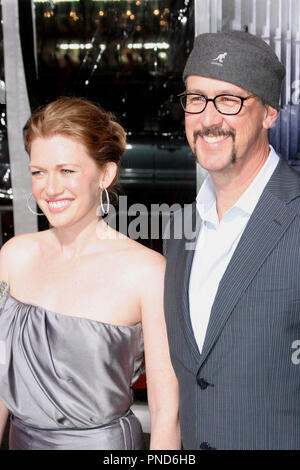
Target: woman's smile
59,205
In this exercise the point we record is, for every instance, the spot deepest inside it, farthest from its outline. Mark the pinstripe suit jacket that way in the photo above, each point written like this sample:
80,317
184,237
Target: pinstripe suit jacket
243,390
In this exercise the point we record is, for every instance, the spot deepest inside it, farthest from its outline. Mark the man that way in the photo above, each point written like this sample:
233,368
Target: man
232,298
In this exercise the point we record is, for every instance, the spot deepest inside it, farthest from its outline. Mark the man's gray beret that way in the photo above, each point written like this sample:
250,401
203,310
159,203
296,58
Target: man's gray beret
239,58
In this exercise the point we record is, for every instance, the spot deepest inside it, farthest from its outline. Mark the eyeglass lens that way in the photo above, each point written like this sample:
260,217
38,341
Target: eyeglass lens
225,104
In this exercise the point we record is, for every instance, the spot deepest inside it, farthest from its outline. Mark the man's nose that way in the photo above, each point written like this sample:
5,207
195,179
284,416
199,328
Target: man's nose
210,117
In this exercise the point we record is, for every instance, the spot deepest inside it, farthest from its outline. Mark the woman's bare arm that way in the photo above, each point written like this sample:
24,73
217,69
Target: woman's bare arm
4,263
162,384
3,419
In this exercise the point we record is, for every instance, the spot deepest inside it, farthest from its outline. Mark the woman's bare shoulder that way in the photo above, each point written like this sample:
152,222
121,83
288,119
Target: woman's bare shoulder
21,248
146,262
21,242
148,255
136,252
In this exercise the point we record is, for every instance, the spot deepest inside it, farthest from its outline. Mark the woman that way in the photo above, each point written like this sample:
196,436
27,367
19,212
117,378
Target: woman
77,299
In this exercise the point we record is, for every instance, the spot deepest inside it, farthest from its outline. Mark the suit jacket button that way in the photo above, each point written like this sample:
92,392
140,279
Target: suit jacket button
206,446
203,384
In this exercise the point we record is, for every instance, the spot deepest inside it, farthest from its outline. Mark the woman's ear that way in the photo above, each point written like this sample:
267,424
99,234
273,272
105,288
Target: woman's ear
108,174
271,115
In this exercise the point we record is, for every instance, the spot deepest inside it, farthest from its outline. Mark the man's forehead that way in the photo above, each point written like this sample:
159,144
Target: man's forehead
197,83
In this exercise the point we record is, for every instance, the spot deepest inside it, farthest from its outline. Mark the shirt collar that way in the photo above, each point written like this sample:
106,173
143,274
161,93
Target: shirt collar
206,198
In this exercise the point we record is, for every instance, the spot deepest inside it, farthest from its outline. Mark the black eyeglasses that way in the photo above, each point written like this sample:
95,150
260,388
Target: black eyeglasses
195,103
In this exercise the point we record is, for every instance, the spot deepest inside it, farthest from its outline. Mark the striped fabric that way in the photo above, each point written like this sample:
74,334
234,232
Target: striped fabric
243,391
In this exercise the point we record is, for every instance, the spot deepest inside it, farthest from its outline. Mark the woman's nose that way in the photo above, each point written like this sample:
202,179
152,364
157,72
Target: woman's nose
53,185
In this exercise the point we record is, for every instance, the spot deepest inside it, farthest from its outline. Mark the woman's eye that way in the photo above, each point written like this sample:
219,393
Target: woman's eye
36,173
66,171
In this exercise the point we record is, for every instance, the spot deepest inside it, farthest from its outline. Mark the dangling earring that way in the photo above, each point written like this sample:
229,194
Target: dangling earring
104,210
31,210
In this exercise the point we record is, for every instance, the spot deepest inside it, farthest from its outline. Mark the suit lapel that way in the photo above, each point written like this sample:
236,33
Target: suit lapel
185,255
268,223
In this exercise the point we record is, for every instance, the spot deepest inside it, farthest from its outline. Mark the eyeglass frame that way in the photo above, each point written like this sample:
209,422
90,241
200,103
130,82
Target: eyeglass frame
242,98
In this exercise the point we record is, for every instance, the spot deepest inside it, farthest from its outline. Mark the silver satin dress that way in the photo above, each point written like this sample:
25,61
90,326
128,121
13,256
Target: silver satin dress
67,380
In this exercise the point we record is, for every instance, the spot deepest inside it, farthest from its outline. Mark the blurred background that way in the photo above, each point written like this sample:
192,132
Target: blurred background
128,56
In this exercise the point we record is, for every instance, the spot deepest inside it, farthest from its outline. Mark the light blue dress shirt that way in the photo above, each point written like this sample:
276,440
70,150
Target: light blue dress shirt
217,241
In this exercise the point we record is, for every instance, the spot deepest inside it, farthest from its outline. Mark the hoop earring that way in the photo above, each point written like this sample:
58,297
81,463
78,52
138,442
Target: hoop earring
28,206
104,210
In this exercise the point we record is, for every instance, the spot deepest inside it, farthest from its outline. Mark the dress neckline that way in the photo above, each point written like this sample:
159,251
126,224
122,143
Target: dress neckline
5,291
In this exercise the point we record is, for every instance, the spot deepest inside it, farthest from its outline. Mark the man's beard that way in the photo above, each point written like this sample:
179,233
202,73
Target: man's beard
215,132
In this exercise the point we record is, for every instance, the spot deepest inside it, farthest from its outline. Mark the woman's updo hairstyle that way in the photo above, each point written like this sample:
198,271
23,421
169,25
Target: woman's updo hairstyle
83,121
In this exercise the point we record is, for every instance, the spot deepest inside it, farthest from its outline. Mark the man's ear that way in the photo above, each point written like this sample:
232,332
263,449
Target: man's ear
108,174
271,115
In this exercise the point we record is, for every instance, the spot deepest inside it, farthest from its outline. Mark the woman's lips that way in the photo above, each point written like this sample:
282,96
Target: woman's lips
59,205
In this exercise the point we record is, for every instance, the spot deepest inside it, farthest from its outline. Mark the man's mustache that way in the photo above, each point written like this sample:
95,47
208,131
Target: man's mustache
213,132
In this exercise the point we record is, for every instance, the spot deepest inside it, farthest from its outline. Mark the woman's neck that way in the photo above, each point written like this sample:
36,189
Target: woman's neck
77,239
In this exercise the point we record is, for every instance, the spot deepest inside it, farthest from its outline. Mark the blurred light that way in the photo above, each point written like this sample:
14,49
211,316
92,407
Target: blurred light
138,3
48,14
132,17
101,13
128,12
163,55
55,1
137,45
149,45
6,176
156,45
74,15
156,12
102,47
74,46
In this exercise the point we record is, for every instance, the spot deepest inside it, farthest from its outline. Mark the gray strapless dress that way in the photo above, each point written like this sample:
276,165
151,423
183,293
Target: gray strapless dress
67,380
